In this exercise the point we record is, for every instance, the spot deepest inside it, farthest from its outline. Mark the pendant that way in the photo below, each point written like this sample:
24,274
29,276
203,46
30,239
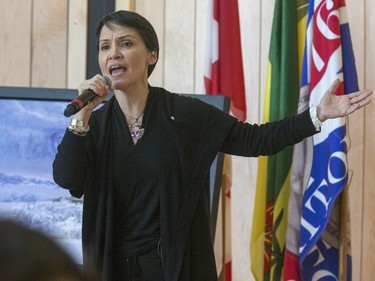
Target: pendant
137,134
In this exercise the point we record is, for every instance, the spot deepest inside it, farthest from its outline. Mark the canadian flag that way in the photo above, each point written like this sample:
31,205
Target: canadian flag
223,71
223,75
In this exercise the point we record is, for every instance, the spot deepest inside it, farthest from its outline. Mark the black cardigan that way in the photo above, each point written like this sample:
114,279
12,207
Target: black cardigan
191,134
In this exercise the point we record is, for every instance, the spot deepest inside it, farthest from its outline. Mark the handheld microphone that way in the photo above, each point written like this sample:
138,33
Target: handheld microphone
83,99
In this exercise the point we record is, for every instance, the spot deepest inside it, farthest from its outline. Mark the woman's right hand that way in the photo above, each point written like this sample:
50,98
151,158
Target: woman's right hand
99,86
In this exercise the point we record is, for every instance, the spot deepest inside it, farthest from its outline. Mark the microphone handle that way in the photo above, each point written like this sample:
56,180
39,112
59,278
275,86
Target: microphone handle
82,100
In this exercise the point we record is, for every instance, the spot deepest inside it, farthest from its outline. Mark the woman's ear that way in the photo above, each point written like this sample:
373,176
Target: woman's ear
153,58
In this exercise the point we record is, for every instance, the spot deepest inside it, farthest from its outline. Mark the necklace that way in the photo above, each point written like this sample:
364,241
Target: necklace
135,127
136,121
135,124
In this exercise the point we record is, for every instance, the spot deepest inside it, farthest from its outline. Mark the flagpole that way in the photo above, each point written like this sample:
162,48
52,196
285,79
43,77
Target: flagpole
344,215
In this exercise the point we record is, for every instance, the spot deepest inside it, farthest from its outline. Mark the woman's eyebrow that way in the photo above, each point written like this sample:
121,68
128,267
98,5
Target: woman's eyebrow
119,38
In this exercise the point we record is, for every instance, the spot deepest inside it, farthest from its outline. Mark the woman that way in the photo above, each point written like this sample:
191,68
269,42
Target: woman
142,160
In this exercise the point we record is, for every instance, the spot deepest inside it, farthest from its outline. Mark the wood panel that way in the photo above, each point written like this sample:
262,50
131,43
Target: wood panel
267,10
201,10
179,45
49,41
15,43
125,5
245,169
368,250
155,14
77,42
355,126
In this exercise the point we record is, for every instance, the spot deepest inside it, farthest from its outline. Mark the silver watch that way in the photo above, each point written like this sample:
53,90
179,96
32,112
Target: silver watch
77,127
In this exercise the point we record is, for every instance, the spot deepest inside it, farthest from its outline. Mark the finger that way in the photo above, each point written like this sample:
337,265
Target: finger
103,86
359,96
366,94
364,102
99,86
359,104
335,85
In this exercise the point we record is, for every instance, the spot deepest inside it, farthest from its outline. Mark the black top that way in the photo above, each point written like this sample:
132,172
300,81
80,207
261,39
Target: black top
189,134
136,188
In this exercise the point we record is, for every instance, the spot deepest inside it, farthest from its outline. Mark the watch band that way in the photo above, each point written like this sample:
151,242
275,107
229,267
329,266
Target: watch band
314,118
77,127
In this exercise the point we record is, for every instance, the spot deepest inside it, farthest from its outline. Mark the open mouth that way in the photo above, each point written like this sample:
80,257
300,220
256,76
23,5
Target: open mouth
117,70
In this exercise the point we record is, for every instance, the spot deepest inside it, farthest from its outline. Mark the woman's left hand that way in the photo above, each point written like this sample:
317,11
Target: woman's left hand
333,106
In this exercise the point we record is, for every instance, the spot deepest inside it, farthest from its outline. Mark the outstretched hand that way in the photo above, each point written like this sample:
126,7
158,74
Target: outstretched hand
333,106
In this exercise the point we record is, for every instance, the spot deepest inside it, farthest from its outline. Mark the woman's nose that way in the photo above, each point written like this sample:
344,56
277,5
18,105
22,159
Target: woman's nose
115,52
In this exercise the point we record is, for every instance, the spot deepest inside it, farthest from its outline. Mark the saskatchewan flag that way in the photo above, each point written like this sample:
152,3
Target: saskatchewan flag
281,100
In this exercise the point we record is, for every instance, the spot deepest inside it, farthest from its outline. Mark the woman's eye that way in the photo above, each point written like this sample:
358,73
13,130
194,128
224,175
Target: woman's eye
127,44
104,47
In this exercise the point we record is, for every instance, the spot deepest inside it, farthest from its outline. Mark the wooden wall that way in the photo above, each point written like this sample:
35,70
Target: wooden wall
43,44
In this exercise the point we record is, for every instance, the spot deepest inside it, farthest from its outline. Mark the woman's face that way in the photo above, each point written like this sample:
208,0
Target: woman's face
123,56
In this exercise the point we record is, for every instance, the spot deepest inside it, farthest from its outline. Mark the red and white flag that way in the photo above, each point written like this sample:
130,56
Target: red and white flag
223,75
223,71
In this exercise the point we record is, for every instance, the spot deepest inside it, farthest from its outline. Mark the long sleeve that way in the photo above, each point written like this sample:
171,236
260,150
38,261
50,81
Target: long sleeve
69,166
253,140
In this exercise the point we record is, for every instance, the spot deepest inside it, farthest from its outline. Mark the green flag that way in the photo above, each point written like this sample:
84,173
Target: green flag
273,182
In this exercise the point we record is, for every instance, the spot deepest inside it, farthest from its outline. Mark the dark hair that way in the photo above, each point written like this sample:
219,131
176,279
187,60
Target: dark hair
29,255
136,21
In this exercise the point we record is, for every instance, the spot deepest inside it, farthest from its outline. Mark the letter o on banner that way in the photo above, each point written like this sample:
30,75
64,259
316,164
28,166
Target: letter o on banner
337,156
